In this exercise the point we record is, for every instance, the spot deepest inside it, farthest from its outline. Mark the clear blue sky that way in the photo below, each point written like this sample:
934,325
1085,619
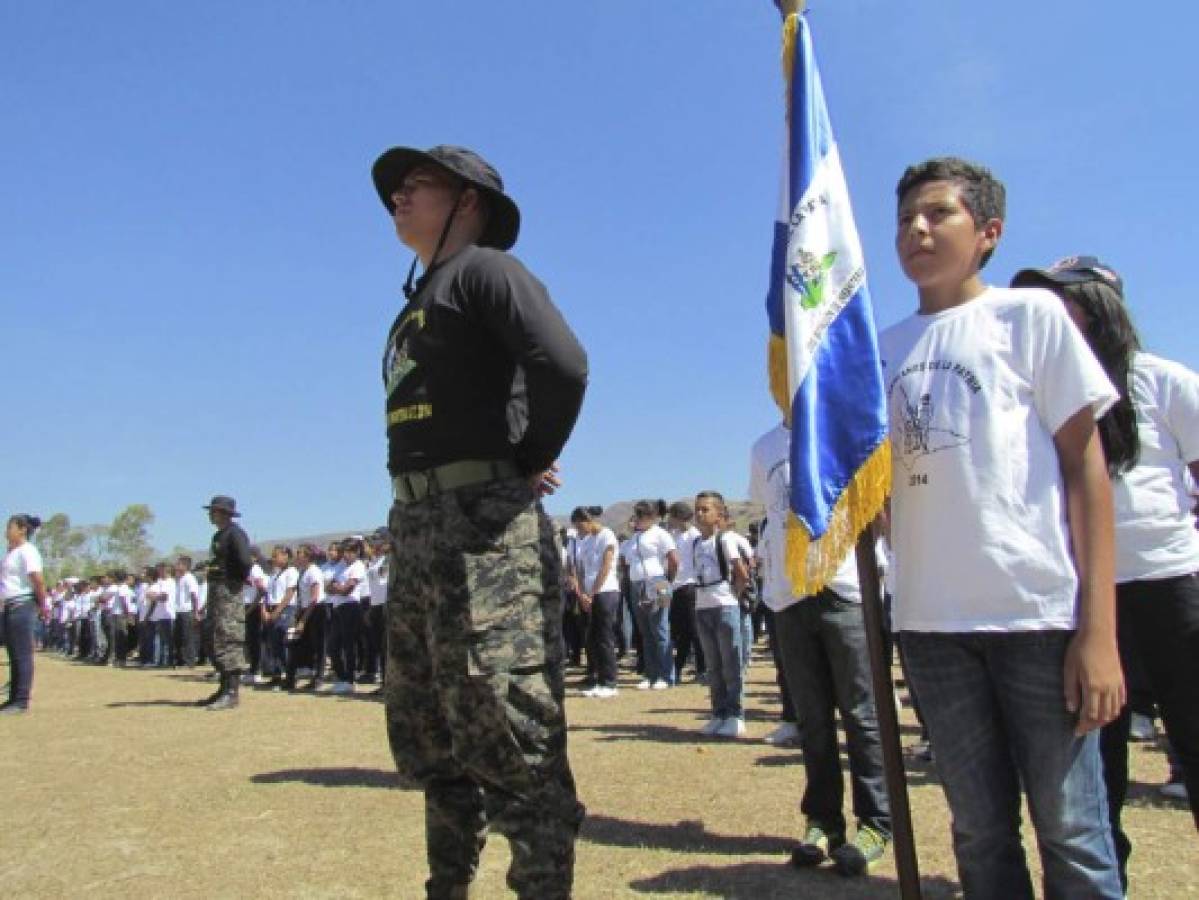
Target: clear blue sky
196,275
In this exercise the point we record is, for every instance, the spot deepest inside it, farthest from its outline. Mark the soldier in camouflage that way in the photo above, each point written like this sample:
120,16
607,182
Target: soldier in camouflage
224,619
484,382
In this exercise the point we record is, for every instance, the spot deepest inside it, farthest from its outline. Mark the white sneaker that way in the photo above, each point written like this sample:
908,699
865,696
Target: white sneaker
592,692
713,725
1175,790
731,727
644,684
786,734
606,693
343,687
1141,728
246,678
660,685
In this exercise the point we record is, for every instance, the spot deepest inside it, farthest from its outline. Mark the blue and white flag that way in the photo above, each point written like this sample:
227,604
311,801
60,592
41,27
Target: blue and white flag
824,364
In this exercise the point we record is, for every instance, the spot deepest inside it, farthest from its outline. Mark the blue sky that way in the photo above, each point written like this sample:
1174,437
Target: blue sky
196,275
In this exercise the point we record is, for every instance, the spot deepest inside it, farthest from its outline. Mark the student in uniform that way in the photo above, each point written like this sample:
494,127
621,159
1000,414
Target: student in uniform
278,615
347,615
187,600
682,602
1151,443
23,597
653,561
310,621
1001,523
252,596
599,597
162,616
720,576
376,620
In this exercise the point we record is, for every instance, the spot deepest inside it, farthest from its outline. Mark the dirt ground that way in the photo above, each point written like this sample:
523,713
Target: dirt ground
114,786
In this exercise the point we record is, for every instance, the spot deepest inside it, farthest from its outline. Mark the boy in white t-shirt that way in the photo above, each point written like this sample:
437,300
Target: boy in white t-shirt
1001,523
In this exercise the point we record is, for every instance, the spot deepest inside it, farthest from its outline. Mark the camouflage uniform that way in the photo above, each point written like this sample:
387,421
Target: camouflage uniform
474,684
225,626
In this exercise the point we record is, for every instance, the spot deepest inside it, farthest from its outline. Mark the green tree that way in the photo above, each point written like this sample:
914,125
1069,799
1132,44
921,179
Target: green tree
60,545
129,536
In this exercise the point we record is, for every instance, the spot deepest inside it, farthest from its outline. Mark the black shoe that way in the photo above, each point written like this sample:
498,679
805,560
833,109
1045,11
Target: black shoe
214,696
818,844
13,709
229,700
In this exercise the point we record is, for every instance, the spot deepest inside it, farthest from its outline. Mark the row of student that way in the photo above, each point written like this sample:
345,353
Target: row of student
312,607
680,588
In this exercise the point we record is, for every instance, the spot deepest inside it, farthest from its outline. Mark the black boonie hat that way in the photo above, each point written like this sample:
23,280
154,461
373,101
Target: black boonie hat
1071,270
503,223
224,504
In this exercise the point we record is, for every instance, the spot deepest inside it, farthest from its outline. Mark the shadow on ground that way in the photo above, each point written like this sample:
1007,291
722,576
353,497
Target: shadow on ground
185,704
686,836
762,880
346,776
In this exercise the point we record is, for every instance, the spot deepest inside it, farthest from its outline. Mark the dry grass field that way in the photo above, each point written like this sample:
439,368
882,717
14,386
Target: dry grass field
114,786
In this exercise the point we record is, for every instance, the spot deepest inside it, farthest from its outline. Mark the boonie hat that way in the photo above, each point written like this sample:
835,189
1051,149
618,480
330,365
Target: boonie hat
1071,270
503,223
224,504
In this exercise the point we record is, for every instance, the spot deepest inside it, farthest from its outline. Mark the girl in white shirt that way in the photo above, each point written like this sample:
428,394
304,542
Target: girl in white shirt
310,650
599,597
347,616
682,603
1151,442
376,579
23,595
653,562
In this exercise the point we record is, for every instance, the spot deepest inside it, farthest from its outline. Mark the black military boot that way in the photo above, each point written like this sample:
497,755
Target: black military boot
229,700
215,696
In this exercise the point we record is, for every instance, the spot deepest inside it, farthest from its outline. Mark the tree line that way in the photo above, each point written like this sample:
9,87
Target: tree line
86,550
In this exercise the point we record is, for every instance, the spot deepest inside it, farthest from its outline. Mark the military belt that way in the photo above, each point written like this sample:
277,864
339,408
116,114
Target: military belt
417,485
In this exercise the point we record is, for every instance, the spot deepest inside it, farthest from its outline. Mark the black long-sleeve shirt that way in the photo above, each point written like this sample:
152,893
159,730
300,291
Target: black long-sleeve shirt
480,365
230,555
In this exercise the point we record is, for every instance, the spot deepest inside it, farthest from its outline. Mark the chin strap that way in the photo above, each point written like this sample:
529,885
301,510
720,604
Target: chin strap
409,284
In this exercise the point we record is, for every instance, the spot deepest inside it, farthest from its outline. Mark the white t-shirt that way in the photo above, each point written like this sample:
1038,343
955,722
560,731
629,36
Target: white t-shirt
331,572
645,553
591,549
122,603
187,589
280,583
1155,529
202,601
139,599
19,563
713,591
356,571
683,541
376,580
978,513
255,582
165,607
311,577
770,485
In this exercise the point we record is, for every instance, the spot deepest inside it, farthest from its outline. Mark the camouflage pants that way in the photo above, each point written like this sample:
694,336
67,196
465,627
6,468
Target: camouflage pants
225,626
474,684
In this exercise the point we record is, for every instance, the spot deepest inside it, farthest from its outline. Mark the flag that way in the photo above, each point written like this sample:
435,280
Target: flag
823,352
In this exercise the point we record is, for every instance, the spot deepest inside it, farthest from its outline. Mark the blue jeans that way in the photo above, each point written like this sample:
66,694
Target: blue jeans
653,622
18,621
993,704
719,633
822,643
274,643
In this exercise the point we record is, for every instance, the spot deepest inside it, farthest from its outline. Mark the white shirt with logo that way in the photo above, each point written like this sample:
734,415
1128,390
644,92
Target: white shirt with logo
975,396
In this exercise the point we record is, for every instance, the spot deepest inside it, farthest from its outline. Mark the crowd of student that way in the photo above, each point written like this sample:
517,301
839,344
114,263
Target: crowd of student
1043,554
315,608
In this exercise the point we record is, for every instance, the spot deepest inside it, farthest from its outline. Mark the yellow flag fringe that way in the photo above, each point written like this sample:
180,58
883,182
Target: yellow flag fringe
812,564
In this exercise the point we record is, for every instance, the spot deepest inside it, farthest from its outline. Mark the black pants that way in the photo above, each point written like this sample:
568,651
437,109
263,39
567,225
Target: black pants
682,631
253,637
347,619
780,677
18,623
376,640
601,638
185,638
574,630
1160,619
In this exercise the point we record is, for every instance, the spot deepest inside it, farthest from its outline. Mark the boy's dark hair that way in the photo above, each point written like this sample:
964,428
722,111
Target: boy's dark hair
982,193
646,509
682,511
186,560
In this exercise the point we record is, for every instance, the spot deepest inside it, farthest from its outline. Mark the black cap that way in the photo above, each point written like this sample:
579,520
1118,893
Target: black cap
503,223
1071,270
224,504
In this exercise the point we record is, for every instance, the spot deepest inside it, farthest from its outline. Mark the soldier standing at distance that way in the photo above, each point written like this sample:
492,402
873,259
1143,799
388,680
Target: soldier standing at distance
484,382
225,615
